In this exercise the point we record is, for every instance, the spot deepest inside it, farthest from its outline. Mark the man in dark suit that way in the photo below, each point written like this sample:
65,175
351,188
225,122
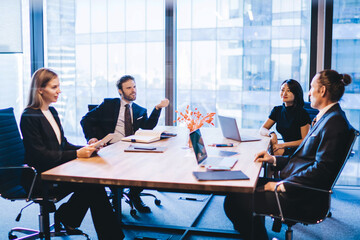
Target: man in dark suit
122,117
315,163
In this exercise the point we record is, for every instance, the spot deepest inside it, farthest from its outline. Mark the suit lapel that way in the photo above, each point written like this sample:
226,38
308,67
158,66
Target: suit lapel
317,124
116,112
136,111
309,134
48,126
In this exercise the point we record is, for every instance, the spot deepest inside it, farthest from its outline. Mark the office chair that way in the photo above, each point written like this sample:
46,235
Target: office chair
11,169
321,213
116,193
311,111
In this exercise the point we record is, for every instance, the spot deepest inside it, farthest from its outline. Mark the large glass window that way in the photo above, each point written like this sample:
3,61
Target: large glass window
14,54
92,43
345,59
233,55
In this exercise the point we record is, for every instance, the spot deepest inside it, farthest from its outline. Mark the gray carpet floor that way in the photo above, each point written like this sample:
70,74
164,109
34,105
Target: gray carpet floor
178,213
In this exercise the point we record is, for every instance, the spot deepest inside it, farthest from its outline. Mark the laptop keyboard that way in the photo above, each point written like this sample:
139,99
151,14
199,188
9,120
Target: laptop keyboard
223,162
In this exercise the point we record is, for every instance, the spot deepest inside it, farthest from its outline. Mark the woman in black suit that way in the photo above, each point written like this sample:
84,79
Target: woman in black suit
46,147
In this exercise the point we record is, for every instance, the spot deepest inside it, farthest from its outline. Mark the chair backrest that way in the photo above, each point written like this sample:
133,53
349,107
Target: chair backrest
349,146
11,150
92,106
311,111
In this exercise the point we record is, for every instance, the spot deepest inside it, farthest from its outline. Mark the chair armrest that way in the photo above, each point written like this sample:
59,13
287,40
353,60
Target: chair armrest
295,184
24,166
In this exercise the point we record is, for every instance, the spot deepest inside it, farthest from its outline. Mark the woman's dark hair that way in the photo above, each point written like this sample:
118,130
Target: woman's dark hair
334,82
122,80
296,89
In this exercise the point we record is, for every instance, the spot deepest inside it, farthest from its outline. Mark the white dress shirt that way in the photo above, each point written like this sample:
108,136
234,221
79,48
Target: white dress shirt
53,124
120,124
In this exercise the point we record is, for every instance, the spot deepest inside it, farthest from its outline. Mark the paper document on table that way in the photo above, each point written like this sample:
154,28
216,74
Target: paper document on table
103,141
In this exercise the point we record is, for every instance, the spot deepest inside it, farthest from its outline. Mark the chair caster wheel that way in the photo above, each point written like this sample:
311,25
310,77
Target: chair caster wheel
133,212
157,202
12,236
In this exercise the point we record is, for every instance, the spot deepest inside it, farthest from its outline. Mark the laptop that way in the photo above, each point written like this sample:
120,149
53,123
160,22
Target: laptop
215,163
230,130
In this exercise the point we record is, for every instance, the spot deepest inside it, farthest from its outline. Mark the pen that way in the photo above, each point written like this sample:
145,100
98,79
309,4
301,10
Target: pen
188,198
192,199
222,145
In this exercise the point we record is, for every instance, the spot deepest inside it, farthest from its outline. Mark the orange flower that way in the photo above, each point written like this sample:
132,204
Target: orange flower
194,120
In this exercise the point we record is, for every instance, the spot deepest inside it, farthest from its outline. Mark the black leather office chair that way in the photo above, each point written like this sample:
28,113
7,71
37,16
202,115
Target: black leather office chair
117,193
322,213
11,169
311,111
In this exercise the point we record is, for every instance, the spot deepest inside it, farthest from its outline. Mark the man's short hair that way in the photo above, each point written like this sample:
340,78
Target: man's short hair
123,79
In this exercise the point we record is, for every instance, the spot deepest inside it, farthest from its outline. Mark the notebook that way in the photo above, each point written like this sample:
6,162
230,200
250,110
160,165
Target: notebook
220,175
230,130
202,157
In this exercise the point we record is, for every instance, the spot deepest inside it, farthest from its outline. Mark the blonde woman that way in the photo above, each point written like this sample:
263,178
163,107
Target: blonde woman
46,147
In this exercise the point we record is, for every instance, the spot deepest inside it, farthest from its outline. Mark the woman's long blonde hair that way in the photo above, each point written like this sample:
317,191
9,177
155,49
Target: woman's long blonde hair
39,80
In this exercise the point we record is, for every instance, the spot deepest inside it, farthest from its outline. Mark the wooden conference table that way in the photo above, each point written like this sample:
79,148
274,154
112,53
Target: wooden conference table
171,170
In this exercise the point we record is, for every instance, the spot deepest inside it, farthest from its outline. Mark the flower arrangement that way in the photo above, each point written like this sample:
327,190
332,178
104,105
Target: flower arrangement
194,119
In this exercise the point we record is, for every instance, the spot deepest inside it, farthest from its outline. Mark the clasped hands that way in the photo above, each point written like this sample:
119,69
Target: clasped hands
274,143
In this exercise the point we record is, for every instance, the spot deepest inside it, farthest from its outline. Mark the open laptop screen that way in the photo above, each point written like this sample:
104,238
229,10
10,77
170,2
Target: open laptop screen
198,145
229,127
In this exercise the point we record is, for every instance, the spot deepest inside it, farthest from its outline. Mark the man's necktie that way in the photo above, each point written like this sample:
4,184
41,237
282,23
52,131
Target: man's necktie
128,124
313,122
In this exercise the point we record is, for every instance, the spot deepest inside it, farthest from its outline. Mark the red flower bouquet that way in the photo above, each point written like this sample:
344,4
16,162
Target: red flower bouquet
194,119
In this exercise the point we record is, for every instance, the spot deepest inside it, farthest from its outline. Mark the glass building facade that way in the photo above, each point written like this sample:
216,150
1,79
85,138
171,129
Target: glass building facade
92,43
233,55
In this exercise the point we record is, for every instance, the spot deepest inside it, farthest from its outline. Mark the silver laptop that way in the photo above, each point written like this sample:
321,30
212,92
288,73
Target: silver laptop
202,157
230,130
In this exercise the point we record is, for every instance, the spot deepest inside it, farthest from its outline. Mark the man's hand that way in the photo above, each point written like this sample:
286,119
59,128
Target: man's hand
162,104
85,152
263,156
270,186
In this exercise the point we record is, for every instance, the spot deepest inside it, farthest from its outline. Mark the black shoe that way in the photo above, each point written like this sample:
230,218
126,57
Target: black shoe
139,204
69,230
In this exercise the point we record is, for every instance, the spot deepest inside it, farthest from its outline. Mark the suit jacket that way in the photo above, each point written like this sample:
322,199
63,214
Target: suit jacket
42,149
102,120
318,159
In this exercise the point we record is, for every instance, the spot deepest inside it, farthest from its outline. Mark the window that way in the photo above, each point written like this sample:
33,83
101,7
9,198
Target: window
14,54
233,55
345,59
92,43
